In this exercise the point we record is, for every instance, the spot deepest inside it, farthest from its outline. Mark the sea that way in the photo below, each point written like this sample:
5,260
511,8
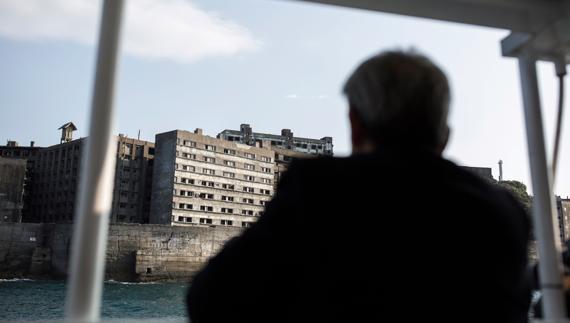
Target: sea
30,300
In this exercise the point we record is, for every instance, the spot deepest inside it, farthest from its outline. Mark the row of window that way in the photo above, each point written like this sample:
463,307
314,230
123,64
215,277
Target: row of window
187,219
186,180
212,160
209,196
189,143
209,171
280,143
207,208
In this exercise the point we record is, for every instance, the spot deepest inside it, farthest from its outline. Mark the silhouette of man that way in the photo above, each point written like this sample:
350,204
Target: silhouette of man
392,233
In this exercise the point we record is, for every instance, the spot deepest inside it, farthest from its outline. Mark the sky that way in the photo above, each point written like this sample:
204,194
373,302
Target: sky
273,64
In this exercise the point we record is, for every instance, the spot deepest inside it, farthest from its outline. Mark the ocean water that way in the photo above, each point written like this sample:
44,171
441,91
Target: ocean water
44,300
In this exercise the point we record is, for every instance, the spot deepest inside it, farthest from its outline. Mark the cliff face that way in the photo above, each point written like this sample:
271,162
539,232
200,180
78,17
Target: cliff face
135,252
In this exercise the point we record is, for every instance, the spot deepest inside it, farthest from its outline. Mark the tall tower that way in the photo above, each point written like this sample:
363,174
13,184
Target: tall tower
500,170
67,132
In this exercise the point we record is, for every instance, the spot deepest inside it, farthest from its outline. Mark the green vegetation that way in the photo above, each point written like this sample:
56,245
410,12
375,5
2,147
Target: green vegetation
518,190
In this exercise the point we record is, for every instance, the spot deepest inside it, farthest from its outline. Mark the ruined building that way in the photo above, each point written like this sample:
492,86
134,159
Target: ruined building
286,146
12,180
20,155
563,212
56,176
285,141
201,180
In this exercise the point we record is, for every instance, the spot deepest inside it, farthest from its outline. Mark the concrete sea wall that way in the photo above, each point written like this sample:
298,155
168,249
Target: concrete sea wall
135,252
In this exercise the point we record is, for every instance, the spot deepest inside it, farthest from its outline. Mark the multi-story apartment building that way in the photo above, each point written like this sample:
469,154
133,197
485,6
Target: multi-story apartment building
54,183
14,150
286,146
27,154
286,140
201,180
133,180
56,175
12,179
563,210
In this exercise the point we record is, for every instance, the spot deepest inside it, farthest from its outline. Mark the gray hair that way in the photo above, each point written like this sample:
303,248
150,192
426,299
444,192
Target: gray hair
401,98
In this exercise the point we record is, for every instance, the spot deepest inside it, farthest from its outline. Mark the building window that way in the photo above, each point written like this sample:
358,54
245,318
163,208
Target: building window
266,169
188,168
208,171
226,210
227,198
228,186
180,218
246,212
185,206
245,224
226,222
206,221
229,163
248,189
206,208
249,166
249,178
250,156
246,200
206,196
210,147
263,202
209,184
266,192
209,160
229,175
189,156
188,219
185,180
189,143
266,159
229,151
266,180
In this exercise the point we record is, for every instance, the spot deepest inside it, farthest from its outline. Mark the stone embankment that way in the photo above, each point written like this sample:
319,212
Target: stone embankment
135,252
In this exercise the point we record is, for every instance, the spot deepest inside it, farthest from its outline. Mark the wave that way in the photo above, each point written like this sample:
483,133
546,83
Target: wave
111,281
16,280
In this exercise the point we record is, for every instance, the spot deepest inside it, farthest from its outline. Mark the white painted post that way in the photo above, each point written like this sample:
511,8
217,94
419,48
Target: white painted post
548,239
87,269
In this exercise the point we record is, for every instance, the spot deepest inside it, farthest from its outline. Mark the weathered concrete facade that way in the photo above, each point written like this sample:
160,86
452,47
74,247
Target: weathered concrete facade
286,140
563,210
12,180
201,180
134,252
133,180
56,171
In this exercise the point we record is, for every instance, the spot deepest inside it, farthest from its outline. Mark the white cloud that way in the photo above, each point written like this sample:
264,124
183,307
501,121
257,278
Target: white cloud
158,29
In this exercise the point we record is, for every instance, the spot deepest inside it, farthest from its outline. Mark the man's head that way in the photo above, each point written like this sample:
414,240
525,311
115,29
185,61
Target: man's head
398,99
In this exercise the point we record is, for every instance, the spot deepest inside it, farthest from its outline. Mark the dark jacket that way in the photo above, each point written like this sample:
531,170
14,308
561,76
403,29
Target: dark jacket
392,235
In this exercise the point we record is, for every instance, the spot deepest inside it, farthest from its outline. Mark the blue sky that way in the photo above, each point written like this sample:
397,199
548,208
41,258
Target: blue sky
271,63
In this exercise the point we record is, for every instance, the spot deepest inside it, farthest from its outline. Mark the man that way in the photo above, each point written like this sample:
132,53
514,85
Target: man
392,233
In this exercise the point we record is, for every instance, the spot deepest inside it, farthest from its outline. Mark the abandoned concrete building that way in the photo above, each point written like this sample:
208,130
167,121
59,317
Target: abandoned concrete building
201,180
13,150
563,211
286,146
12,183
56,173
286,141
